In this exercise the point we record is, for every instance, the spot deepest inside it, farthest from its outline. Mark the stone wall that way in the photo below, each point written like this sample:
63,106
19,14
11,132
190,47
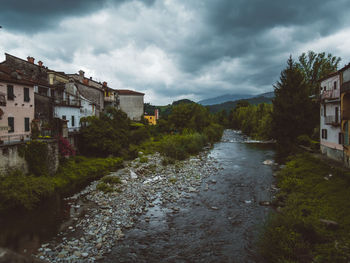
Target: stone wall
132,105
10,157
334,154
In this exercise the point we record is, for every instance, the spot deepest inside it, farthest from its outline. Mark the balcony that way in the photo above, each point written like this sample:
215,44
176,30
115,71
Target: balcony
65,102
330,94
332,120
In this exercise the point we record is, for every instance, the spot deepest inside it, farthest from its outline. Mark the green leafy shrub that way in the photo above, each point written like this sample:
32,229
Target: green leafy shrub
111,179
143,159
35,153
104,187
180,146
19,190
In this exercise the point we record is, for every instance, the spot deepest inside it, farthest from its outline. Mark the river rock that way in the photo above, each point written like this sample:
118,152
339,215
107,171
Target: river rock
268,162
264,203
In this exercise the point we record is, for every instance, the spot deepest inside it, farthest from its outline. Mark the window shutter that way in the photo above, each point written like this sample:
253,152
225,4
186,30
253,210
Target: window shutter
26,124
11,124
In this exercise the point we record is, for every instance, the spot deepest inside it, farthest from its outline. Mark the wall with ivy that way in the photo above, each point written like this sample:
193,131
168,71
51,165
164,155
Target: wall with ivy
37,157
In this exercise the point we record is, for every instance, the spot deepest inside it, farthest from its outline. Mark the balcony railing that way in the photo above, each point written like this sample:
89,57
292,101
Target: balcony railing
330,94
62,102
332,120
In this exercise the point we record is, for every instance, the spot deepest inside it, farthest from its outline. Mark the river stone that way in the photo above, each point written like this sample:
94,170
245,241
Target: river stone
84,255
268,162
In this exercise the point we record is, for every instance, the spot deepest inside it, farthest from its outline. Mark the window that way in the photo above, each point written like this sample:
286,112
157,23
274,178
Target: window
324,110
11,124
73,121
336,115
340,138
63,117
324,134
26,94
10,95
26,124
335,85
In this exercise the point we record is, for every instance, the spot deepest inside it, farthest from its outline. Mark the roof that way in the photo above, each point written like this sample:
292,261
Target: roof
5,75
129,92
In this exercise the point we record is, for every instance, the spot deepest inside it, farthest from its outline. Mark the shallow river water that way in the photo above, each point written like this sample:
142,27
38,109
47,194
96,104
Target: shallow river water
220,223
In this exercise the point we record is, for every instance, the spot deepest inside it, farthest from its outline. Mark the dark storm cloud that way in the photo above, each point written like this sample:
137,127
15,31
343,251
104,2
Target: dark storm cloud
31,16
234,28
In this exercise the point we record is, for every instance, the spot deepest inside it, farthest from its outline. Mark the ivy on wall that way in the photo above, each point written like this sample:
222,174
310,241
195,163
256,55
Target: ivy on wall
36,153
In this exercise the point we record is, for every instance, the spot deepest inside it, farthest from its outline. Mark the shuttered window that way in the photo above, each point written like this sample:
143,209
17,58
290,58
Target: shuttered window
10,95
26,94
11,124
26,124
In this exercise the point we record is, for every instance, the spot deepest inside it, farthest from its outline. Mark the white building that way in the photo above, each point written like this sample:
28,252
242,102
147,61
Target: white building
331,138
131,102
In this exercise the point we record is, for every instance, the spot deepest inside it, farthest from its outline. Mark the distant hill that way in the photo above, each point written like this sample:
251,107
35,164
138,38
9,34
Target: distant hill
233,97
231,104
224,98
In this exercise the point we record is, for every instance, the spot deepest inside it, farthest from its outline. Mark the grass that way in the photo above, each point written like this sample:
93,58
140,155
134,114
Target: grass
27,191
310,190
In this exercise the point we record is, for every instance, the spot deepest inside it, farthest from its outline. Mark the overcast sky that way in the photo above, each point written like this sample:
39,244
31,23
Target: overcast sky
172,49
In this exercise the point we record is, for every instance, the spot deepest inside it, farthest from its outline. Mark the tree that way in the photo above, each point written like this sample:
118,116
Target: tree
292,107
107,135
315,66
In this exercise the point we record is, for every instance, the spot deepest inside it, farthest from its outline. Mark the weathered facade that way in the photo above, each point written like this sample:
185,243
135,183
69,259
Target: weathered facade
16,107
345,111
131,102
331,138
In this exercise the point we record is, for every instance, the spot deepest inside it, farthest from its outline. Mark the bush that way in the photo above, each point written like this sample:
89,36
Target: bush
179,147
35,153
18,190
111,179
104,187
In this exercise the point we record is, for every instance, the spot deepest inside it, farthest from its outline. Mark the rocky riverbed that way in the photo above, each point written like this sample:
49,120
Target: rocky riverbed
99,219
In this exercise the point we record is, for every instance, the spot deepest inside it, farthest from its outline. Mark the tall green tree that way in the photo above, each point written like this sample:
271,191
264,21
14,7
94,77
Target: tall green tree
292,107
315,66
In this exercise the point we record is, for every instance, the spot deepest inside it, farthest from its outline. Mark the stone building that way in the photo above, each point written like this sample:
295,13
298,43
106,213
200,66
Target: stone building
131,102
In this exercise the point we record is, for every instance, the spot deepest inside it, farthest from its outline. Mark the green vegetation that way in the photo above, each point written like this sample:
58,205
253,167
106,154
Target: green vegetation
27,191
311,192
253,120
35,153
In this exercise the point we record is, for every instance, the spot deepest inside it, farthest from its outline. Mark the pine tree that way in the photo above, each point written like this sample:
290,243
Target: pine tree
292,107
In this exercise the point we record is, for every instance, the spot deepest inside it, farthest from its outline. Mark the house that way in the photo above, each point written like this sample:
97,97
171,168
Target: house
345,110
111,98
90,90
131,102
331,137
16,106
70,104
43,91
152,118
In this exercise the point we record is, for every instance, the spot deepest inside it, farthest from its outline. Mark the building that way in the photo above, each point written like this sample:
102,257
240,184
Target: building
131,102
152,118
16,106
90,90
331,137
345,111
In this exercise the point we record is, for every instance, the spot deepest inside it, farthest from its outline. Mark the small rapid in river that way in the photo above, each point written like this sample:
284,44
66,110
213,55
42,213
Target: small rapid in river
219,223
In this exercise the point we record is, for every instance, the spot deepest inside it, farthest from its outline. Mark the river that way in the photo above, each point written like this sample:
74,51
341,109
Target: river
221,223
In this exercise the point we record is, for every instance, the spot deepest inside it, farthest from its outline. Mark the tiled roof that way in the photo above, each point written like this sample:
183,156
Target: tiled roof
128,92
5,75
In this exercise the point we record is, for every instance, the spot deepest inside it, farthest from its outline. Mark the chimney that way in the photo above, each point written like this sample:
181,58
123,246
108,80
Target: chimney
40,63
104,84
30,59
156,113
81,74
85,81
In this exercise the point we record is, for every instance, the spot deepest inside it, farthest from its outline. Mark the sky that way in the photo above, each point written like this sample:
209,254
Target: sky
172,49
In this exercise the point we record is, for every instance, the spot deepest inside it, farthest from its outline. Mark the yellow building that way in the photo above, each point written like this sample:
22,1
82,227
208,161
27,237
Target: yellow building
151,119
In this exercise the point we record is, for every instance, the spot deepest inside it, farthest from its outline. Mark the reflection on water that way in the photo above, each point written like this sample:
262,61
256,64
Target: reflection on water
25,232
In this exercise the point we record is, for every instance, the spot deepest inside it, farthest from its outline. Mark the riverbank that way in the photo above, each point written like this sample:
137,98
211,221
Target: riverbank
25,192
97,228
312,222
